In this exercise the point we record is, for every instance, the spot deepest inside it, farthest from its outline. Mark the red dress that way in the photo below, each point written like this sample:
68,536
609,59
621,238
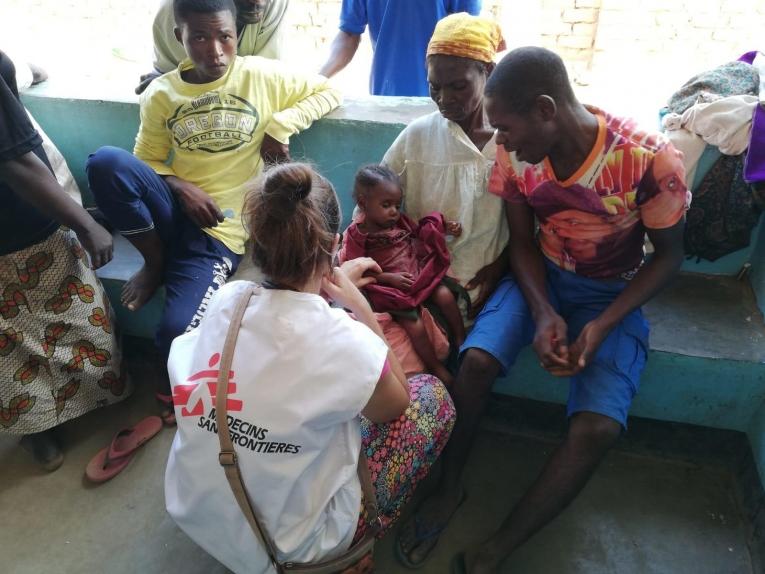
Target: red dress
412,247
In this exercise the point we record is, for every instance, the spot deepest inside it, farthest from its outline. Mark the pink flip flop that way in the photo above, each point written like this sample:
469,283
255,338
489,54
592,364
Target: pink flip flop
111,460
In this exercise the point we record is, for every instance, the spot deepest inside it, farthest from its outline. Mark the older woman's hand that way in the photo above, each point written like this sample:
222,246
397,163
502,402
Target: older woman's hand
361,271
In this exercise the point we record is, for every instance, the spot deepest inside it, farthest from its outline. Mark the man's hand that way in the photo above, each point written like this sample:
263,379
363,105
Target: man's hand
147,79
98,243
586,345
486,280
401,281
454,228
551,343
356,270
273,151
197,205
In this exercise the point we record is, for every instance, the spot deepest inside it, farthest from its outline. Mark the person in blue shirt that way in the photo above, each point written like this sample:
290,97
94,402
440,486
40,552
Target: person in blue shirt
400,31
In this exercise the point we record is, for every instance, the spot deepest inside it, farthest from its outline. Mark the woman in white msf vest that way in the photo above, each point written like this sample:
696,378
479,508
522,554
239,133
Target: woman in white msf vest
309,387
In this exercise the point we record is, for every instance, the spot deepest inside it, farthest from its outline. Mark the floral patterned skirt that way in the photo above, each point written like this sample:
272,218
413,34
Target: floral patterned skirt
59,354
400,453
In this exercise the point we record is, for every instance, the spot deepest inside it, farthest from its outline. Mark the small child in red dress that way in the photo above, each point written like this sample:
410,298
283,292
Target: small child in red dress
413,258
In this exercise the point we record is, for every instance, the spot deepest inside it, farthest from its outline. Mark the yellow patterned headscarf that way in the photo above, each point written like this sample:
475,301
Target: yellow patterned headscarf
467,36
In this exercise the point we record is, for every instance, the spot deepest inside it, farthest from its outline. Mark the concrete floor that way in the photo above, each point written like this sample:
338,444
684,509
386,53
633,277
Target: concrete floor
639,515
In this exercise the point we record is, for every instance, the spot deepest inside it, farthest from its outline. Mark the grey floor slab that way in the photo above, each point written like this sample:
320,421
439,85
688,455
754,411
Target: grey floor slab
639,514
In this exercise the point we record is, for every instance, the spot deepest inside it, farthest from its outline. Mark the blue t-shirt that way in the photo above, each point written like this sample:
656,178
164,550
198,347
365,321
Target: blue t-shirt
400,31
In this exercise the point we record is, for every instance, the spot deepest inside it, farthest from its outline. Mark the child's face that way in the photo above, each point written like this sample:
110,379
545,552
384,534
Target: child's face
210,42
382,205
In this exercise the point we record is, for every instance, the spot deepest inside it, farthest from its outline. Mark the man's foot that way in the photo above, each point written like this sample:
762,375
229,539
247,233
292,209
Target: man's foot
140,287
44,448
419,535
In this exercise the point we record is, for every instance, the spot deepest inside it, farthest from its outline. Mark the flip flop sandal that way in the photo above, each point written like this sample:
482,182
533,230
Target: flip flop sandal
111,460
423,534
168,415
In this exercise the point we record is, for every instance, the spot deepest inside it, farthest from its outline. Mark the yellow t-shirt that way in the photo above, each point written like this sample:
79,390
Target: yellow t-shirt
210,134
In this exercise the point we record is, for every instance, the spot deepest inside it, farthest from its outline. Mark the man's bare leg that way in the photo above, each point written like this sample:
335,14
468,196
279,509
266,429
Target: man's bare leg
590,436
471,393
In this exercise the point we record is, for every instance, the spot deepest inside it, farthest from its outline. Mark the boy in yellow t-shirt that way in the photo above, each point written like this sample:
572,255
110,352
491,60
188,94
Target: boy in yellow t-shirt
206,129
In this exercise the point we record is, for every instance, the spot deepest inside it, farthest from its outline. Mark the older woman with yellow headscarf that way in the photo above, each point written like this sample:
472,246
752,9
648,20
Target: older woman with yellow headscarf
444,159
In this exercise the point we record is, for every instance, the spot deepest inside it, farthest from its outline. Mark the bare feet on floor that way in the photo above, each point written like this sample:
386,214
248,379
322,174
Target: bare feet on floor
140,287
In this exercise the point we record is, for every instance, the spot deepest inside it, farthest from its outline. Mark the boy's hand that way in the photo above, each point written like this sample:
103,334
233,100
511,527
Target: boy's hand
199,206
454,228
273,151
98,243
146,79
551,344
401,281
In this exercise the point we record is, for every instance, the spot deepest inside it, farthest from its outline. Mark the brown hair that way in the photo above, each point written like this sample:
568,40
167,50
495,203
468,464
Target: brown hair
293,217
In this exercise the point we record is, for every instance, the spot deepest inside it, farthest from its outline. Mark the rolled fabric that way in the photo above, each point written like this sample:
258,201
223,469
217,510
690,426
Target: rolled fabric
467,36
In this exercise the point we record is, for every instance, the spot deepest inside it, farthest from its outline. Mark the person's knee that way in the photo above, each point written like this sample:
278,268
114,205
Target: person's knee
103,162
478,370
593,433
442,295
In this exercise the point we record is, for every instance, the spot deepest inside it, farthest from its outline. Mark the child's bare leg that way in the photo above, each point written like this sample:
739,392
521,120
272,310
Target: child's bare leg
141,286
415,328
447,303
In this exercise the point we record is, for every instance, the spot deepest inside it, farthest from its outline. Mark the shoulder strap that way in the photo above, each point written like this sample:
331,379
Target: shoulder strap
227,456
228,460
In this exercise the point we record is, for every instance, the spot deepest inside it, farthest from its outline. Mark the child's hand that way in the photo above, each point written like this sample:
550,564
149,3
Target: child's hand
454,228
401,281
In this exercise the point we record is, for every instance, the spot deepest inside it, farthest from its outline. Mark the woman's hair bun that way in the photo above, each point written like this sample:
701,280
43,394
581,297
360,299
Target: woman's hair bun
285,186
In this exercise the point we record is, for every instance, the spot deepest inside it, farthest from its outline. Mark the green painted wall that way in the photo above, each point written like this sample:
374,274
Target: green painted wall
756,435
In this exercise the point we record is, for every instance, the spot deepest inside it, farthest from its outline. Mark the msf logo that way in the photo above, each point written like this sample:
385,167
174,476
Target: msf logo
198,397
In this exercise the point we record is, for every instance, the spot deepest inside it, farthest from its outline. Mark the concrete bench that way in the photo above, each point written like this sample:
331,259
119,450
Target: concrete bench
707,357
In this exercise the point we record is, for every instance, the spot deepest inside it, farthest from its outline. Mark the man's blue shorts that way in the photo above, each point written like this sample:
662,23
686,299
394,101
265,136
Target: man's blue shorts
606,386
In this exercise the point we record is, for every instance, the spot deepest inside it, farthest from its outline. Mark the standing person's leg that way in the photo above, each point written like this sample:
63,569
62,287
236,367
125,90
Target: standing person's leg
598,403
503,327
141,207
401,453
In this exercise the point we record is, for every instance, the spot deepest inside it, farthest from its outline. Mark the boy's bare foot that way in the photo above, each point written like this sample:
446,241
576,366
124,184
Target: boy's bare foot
419,535
140,287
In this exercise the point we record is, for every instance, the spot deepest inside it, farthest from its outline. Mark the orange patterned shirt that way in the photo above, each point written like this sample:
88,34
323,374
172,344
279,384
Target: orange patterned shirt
594,222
